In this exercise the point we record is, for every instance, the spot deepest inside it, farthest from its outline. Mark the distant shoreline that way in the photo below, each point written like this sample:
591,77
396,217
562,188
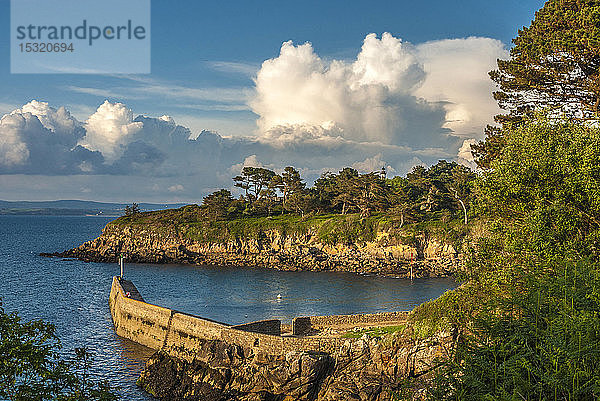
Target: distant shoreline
55,212
73,208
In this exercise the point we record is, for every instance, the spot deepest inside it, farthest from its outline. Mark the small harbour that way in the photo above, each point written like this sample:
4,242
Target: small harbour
74,295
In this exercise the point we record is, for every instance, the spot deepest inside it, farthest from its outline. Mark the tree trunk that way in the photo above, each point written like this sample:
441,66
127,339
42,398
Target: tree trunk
461,203
464,210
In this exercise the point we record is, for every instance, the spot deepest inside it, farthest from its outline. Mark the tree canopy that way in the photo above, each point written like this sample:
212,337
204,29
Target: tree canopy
252,180
421,195
554,65
544,190
528,315
132,210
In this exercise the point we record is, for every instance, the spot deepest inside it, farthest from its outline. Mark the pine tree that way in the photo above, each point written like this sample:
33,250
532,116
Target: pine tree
554,65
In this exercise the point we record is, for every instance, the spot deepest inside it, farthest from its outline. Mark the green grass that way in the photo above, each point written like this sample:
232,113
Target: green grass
190,222
374,332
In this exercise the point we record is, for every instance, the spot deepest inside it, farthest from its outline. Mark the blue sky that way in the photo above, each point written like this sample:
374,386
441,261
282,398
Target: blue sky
206,56
188,37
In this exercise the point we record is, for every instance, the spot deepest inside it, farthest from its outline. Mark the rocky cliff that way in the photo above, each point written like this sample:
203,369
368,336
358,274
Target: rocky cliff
428,257
393,368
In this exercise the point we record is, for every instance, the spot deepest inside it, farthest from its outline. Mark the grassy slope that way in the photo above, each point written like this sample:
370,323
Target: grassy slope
330,228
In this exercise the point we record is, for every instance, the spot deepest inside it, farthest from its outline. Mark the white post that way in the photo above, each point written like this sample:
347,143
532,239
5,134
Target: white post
121,265
411,267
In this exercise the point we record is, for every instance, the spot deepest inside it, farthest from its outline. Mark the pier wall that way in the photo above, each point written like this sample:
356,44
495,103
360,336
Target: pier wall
182,335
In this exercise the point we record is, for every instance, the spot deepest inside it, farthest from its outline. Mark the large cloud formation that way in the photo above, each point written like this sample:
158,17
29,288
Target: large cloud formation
395,105
427,96
368,100
109,129
457,77
40,139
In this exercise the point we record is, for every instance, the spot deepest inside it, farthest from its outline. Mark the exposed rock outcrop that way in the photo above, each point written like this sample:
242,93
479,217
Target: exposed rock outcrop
272,249
361,370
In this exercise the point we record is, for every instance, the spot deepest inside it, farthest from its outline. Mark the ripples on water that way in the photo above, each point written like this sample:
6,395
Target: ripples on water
74,295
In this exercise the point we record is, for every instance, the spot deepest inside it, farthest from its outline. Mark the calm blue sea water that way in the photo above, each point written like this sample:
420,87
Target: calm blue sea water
74,295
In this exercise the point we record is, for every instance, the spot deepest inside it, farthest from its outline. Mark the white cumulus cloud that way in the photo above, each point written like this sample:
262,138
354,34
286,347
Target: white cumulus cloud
56,120
109,129
465,156
13,149
373,164
457,75
368,99
394,105
433,95
388,62
176,188
37,138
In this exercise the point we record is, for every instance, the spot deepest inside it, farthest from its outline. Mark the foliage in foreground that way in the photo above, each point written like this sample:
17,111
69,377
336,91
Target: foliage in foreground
541,343
528,317
31,368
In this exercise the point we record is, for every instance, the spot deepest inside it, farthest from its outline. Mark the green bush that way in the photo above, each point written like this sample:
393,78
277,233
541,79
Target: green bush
541,342
528,318
32,369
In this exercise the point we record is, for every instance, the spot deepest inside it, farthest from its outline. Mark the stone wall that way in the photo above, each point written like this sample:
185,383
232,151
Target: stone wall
301,326
340,321
136,320
182,335
202,359
305,324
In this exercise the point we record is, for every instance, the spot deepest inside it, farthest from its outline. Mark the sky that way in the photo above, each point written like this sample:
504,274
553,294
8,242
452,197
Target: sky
317,85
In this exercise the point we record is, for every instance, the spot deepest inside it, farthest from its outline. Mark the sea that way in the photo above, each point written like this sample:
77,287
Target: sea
73,295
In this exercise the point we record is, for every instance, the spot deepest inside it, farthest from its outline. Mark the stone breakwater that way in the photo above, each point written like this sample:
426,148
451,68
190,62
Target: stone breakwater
200,359
271,249
183,334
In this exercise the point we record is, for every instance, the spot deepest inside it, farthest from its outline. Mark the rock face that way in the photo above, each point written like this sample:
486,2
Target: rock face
273,249
361,370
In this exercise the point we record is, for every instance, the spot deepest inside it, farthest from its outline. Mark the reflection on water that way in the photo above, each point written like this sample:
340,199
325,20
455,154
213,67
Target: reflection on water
235,295
132,356
74,295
